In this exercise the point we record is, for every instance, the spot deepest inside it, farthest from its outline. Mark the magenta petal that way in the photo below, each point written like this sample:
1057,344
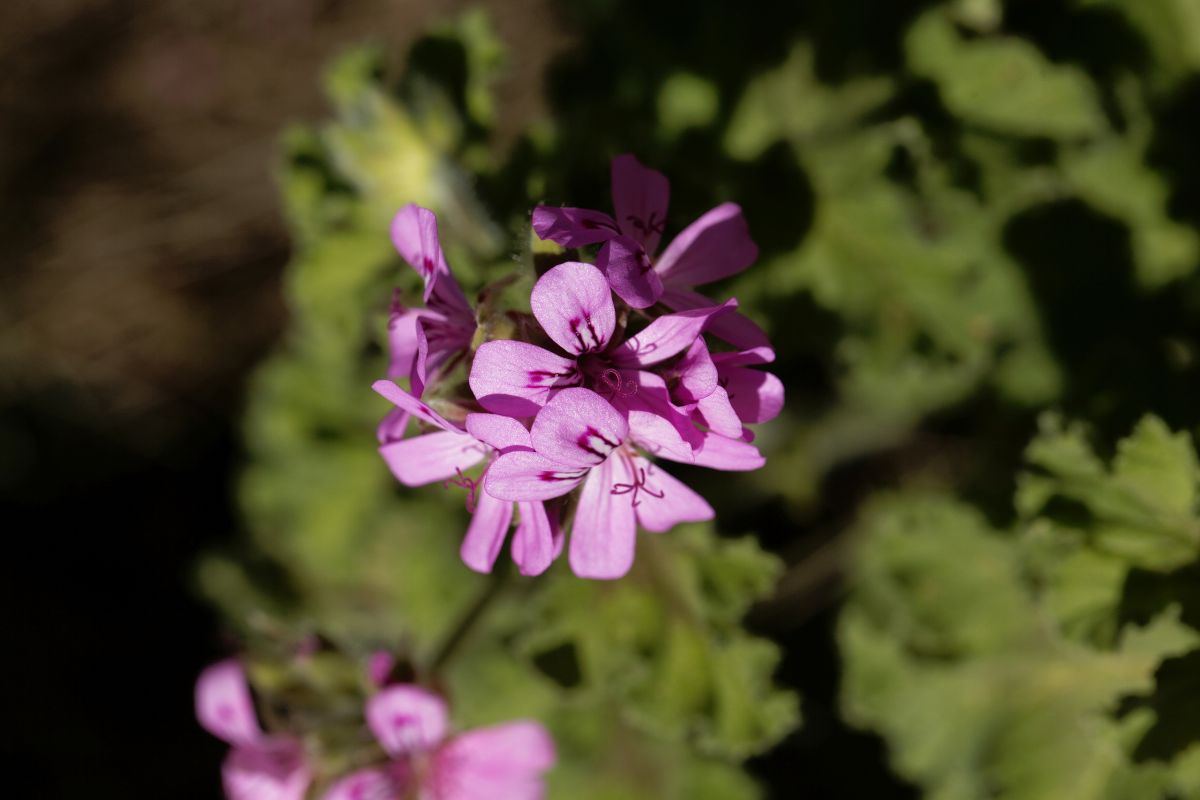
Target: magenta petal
573,227
485,535
521,475
630,272
272,768
574,306
516,379
407,719
755,395
724,453
740,331
379,667
224,706
715,246
498,431
501,762
406,402
375,783
402,341
415,235
696,372
665,502
391,428
578,428
655,424
533,545
667,336
717,414
604,532
640,197
432,457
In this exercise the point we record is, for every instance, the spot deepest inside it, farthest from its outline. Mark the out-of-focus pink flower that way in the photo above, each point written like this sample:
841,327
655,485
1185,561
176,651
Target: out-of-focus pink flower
579,438
411,725
259,766
446,454
715,246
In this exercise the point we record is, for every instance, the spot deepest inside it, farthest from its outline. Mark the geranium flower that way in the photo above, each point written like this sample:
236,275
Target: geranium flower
425,341
446,454
411,725
715,246
573,304
259,766
579,438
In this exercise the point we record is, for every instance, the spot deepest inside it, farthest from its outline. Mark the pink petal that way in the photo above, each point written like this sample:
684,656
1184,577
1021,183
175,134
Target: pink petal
604,533
439,340
374,783
640,197
655,424
667,336
405,401
380,666
521,475
572,227
724,453
574,306
224,706
740,331
485,535
501,762
402,341
432,457
391,428
533,546
715,246
407,719
743,358
716,412
272,769
630,272
756,396
415,235
578,428
516,379
665,502
696,373
498,431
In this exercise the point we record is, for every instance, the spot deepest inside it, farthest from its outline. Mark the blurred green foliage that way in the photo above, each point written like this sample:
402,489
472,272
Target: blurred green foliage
1006,663
968,212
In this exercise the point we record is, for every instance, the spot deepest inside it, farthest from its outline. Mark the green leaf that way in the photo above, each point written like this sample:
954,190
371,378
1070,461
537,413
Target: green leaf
1142,509
1003,83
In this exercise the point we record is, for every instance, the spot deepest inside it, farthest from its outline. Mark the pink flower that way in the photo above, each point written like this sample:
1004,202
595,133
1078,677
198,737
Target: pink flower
715,246
260,766
573,304
424,342
446,454
579,438
411,725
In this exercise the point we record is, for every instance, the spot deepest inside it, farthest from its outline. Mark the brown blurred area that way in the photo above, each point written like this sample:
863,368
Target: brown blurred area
140,283
143,236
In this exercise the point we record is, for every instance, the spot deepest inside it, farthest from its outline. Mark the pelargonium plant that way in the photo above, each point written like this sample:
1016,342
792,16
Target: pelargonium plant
619,365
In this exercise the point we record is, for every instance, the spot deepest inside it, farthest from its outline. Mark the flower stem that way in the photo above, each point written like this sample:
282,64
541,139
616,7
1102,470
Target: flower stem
469,619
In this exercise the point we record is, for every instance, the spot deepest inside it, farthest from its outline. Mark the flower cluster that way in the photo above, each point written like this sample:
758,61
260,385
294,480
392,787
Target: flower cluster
411,726
612,373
